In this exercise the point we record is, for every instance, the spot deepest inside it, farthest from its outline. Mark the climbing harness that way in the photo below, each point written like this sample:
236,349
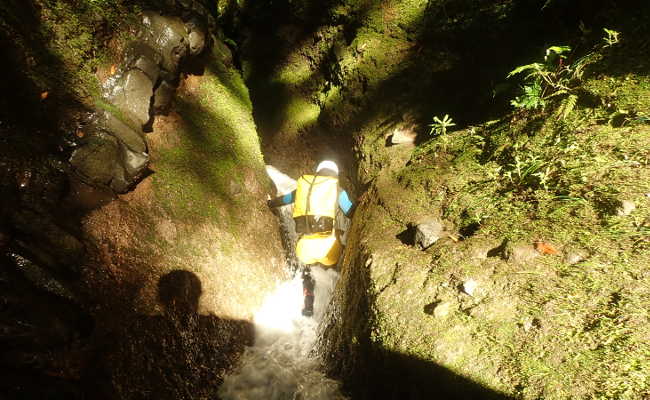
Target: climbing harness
315,204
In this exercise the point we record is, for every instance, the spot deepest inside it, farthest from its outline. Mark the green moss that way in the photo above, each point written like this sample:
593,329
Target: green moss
203,177
547,324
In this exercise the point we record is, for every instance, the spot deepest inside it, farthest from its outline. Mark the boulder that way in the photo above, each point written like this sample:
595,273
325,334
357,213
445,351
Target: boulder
132,137
119,182
95,159
38,235
143,57
131,94
168,36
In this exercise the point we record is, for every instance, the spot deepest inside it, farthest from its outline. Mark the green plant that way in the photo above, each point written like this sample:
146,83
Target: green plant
611,38
439,126
555,77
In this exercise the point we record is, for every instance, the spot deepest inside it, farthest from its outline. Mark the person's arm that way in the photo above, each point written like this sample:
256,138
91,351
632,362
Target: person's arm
282,200
345,203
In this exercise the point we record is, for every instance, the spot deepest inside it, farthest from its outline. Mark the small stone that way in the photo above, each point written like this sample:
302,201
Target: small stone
428,232
442,310
530,323
574,257
626,208
469,287
522,254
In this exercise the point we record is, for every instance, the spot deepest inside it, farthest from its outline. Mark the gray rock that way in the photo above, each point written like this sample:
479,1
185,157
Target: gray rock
169,37
95,159
128,135
141,56
428,232
134,163
626,208
163,97
521,254
132,95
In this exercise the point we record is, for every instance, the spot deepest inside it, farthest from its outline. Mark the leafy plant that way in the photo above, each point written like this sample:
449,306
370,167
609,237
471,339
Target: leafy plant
555,77
611,37
439,126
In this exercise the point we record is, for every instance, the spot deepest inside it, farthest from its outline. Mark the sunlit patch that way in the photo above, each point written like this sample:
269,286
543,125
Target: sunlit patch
280,365
282,308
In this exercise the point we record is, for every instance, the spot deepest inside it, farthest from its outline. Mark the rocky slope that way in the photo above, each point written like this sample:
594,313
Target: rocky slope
135,235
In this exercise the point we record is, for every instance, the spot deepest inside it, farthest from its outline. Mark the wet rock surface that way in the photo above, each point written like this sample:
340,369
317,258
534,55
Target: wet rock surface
143,86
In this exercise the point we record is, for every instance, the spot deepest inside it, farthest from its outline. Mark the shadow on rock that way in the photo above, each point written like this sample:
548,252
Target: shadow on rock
179,354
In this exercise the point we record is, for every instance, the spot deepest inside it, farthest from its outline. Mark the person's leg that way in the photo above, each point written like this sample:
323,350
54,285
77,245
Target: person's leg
308,284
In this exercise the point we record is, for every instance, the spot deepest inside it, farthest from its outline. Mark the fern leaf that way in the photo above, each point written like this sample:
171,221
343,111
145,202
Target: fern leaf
567,106
558,50
536,67
558,93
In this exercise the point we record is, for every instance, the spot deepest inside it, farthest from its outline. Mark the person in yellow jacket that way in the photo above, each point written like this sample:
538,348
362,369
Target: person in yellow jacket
316,200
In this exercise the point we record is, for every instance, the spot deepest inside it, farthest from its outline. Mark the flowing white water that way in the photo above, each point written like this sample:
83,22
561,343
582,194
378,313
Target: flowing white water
280,365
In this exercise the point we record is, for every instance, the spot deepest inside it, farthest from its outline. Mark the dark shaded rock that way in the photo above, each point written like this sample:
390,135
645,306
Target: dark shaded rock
131,94
49,244
96,159
169,37
141,56
132,138
120,183
163,98
40,278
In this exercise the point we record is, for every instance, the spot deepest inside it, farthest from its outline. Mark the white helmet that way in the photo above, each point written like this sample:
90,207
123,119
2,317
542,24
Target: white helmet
327,164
